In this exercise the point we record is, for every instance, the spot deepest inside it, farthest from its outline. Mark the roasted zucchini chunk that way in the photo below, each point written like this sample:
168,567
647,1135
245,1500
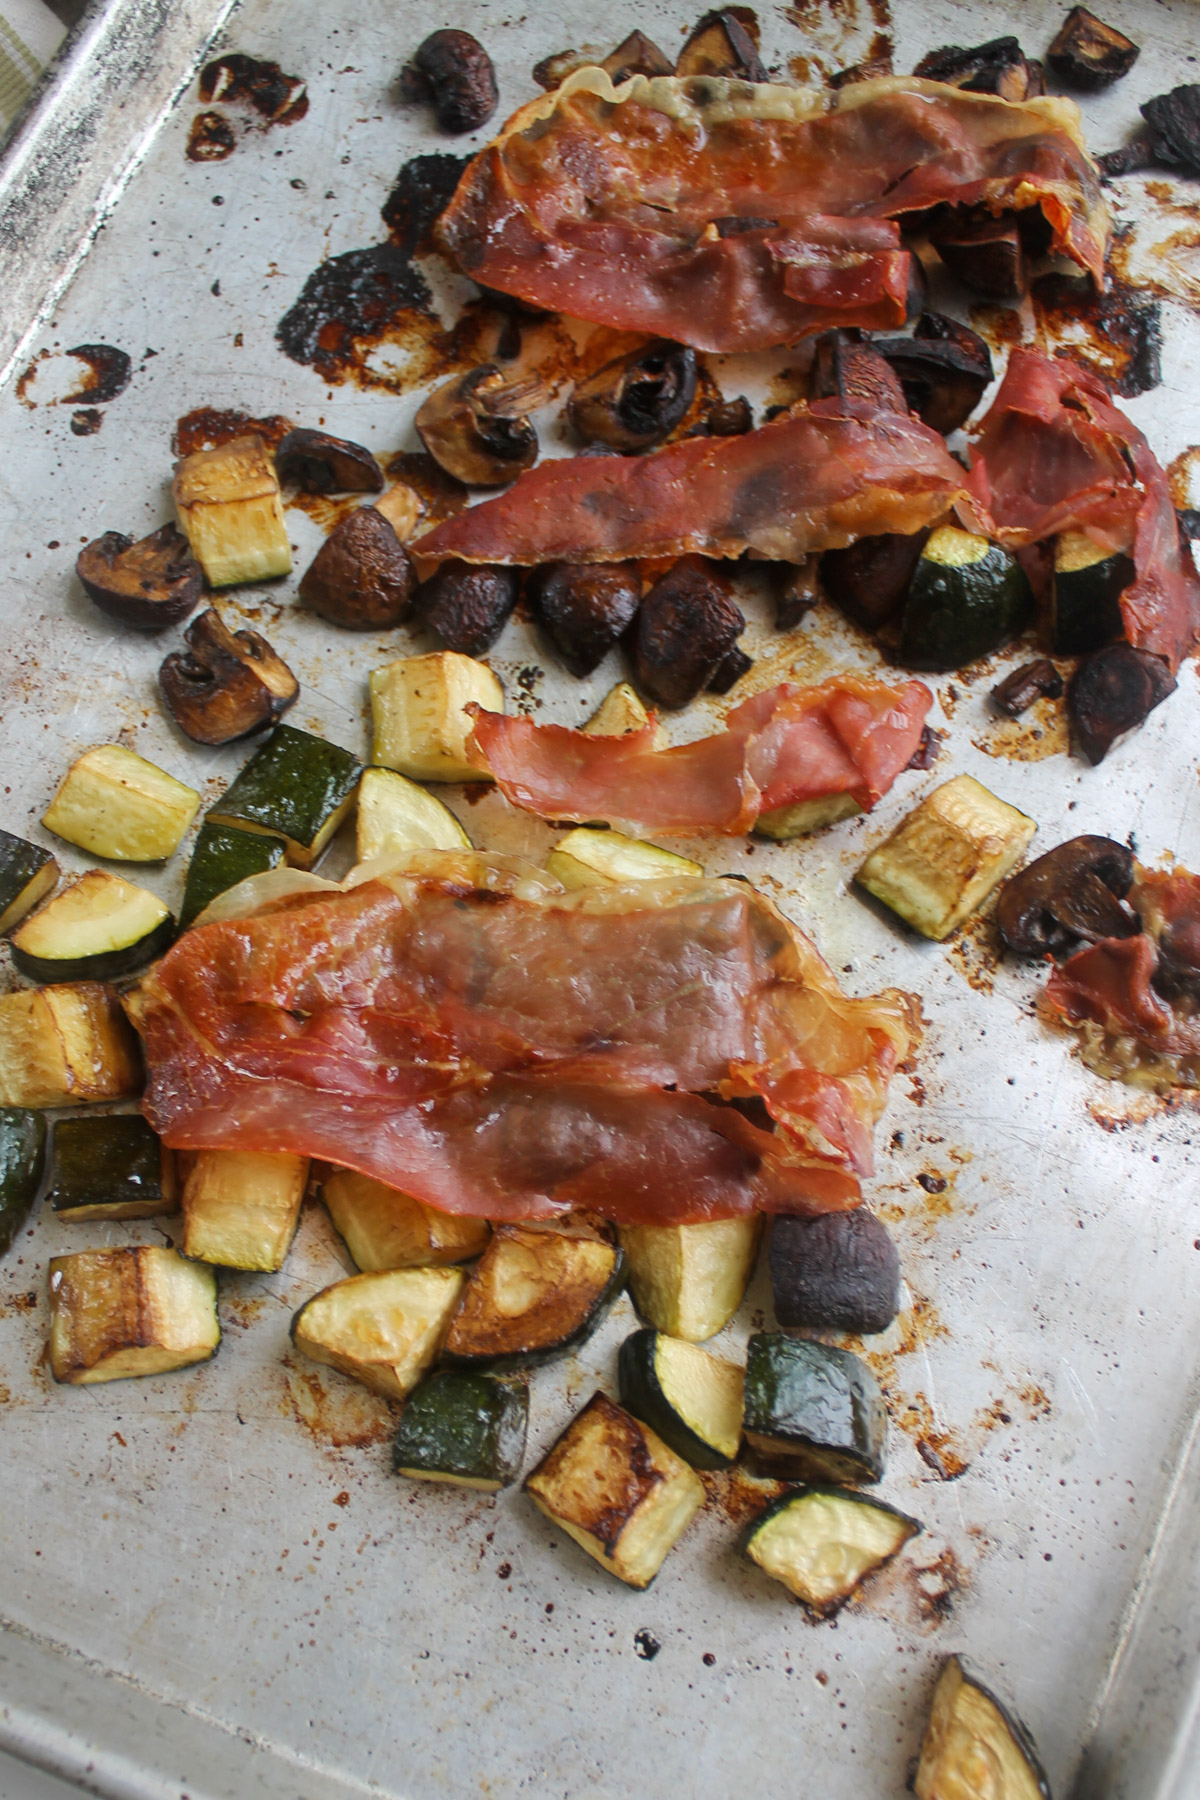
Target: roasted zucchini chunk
384,1329
813,1411
974,1745
533,1295
296,787
804,817
691,1399
138,1311
463,1427
221,857
967,596
397,815
362,578
823,1542
98,929
22,1162
115,804
588,858
27,874
419,706
110,1168
621,711
942,861
387,1229
615,1487
231,513
1085,595
240,1207
839,1271
62,1046
149,585
688,1280
227,684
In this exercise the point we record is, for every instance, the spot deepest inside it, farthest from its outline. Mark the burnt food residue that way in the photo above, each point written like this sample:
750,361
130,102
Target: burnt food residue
260,86
1122,330
210,139
207,427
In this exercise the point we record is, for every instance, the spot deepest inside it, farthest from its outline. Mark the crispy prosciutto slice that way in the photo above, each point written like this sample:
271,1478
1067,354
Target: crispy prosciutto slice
849,735
736,215
1054,454
818,480
496,1047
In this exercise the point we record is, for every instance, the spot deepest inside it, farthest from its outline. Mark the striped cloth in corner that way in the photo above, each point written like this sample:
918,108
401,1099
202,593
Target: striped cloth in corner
29,36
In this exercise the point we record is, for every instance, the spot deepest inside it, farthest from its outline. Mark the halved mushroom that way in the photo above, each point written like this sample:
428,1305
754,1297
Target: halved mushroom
636,400
1088,54
1037,680
687,625
230,684
453,71
583,608
151,584
869,579
467,604
362,577
1074,891
319,464
476,426
1114,691
943,368
985,251
636,55
845,367
733,665
997,67
721,45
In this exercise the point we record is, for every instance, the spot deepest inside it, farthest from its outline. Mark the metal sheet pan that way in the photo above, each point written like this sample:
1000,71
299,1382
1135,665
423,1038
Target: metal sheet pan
209,1582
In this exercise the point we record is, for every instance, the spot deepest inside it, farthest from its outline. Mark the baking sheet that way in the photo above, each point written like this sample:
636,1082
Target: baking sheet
228,1540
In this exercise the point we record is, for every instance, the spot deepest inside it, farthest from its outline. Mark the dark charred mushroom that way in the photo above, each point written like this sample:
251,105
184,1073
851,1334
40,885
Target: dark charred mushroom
838,1272
729,418
997,67
1038,680
871,70
1088,54
636,400
319,464
985,252
584,608
943,368
362,577
467,604
151,584
733,665
1074,891
687,625
230,684
476,426
636,55
847,368
870,579
453,71
1113,692
721,45
1174,121
796,592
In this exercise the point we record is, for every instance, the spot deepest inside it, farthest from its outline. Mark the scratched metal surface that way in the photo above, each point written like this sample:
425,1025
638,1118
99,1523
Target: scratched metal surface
228,1540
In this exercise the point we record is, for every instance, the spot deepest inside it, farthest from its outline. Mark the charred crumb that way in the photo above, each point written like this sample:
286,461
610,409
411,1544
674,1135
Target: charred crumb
108,372
926,752
210,138
419,196
453,72
87,421
946,1466
646,1644
349,301
933,1184
242,80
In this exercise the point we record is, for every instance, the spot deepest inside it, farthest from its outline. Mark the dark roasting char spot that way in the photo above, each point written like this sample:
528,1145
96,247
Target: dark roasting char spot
262,86
468,604
420,192
108,373
210,138
1036,680
1112,692
584,608
1073,891
1126,329
87,421
687,625
350,300
454,72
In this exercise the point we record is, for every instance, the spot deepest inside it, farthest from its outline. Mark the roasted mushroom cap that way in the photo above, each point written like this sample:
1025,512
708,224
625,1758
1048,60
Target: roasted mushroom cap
870,579
997,67
584,608
319,464
467,604
454,71
362,577
1074,891
729,418
476,428
232,683
1174,121
1112,692
686,627
985,252
846,368
151,584
636,400
943,368
721,45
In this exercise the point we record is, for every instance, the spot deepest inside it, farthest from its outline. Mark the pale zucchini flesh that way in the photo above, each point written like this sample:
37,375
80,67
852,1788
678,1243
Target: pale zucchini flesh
692,1399
823,1542
387,1229
619,712
945,859
230,510
138,1311
590,858
115,804
421,725
806,816
397,815
384,1329
974,1746
62,1046
240,1207
689,1280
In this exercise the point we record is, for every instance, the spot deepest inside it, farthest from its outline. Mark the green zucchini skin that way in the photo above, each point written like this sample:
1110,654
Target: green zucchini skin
291,786
642,1394
223,856
465,1425
24,877
22,1162
1086,605
796,1496
109,1168
953,615
105,965
813,1411
938,1758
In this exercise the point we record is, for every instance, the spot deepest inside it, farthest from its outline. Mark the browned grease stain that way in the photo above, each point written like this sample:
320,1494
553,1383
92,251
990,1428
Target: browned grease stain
1119,1115
1031,1398
441,496
1118,333
208,427
243,1309
345,1417
737,1495
1041,731
1002,328
1183,477
976,951
325,510
106,373
1161,269
933,1587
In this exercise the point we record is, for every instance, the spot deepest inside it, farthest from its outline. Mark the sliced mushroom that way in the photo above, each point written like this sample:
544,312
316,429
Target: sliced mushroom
1088,54
721,45
636,55
319,464
475,426
796,592
230,684
453,71
1112,692
1038,680
729,418
870,579
686,627
997,67
151,584
584,608
362,577
635,401
845,367
467,604
943,368
733,665
985,251
1073,891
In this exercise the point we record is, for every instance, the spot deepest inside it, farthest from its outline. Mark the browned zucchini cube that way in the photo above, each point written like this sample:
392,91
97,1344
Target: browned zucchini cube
613,1486
60,1046
138,1311
240,1207
385,1228
534,1294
